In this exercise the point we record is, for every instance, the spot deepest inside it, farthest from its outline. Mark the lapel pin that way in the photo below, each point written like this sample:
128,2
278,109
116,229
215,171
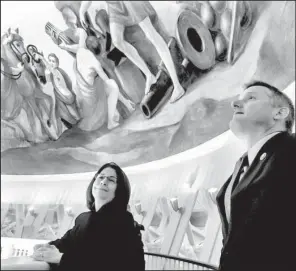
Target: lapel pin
262,157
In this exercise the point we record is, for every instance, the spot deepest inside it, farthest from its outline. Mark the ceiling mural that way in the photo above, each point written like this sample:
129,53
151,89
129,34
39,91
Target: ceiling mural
84,83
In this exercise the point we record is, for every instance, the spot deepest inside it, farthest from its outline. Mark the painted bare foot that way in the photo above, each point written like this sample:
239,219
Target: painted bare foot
177,93
150,80
116,116
130,106
112,124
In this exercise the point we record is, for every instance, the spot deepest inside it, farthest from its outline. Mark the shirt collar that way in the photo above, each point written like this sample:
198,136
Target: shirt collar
252,152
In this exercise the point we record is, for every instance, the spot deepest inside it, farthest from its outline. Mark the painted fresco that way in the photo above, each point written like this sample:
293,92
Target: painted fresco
87,83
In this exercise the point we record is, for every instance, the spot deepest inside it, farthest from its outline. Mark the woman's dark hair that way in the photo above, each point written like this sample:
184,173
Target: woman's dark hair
122,192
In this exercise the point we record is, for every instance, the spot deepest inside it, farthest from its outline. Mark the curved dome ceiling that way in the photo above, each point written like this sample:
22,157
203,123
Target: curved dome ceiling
265,51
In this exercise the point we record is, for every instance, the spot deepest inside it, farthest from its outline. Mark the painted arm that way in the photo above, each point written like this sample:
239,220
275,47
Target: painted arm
74,47
71,48
98,68
82,38
83,9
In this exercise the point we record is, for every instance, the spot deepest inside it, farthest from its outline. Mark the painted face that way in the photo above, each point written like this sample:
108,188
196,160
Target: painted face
105,185
252,109
53,62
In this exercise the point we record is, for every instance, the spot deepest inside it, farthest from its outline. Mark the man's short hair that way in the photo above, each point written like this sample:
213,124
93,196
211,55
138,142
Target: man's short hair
278,98
93,44
55,57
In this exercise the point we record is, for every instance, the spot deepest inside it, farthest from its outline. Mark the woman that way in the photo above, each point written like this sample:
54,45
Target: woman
106,237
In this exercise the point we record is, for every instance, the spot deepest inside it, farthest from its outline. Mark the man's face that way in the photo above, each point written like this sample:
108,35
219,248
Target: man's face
253,109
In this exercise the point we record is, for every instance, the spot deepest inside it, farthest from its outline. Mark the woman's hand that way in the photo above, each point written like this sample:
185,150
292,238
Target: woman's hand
47,253
37,246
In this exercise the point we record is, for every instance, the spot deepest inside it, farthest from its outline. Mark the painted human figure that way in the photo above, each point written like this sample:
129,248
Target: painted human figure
66,104
92,44
128,13
97,19
89,71
76,33
22,91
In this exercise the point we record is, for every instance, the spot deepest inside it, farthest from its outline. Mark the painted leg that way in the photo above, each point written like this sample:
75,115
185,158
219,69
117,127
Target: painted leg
117,31
44,123
73,110
130,105
112,75
165,54
112,98
18,131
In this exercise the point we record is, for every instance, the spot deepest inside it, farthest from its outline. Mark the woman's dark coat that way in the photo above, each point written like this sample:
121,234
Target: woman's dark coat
105,240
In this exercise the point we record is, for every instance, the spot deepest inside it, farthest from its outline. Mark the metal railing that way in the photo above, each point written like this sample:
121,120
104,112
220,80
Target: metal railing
155,261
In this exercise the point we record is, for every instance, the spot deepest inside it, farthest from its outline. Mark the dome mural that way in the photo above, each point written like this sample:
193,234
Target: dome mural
67,126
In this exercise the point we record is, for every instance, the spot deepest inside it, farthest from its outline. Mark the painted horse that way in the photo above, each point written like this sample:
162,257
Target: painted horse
37,66
24,106
40,69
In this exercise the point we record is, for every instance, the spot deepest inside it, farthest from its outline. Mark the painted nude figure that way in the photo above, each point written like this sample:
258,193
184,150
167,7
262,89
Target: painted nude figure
128,13
88,70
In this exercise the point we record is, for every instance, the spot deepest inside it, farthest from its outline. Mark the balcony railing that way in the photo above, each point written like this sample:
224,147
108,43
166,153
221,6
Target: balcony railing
155,261
18,247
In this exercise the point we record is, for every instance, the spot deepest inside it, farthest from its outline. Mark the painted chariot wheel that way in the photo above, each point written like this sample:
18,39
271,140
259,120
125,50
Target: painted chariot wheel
195,40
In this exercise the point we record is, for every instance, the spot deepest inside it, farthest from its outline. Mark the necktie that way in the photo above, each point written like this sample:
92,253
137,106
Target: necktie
243,168
242,164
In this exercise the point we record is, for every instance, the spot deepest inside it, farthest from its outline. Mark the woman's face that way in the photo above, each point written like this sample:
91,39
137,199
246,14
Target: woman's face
105,185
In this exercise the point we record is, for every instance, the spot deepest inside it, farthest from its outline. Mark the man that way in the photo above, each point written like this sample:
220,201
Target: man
255,203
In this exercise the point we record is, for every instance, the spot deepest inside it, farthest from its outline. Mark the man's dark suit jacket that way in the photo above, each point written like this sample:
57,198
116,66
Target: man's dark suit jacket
261,232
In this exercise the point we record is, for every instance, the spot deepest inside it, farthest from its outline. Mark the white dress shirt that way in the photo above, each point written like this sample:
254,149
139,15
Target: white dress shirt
252,152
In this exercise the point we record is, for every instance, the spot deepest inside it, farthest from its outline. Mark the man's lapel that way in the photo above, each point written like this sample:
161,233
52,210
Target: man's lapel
221,207
260,160
221,196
